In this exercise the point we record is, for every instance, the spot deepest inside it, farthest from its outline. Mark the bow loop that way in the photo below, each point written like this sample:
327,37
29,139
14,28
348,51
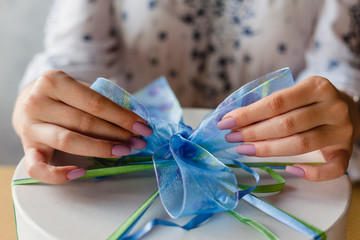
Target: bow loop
160,101
211,138
118,95
191,177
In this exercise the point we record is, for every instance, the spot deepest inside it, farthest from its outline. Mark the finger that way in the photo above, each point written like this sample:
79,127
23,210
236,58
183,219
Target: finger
302,94
335,167
296,144
287,124
74,143
79,96
36,163
79,121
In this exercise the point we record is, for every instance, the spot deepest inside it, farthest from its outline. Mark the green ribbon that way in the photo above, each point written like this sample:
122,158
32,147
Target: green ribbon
130,221
144,163
256,225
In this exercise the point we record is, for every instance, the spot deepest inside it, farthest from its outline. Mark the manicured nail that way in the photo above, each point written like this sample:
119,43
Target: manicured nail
120,150
234,137
297,171
142,129
246,149
227,123
138,143
76,173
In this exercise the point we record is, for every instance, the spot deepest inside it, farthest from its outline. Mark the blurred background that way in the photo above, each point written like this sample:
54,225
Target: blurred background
21,33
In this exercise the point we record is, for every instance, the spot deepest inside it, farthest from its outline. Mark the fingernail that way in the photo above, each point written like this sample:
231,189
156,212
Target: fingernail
246,149
227,123
233,137
142,129
297,171
76,173
138,143
120,150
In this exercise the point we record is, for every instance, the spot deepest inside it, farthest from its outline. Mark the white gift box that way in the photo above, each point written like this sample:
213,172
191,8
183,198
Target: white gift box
95,208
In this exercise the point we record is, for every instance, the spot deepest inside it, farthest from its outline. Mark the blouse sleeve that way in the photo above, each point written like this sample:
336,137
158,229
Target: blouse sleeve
80,39
333,50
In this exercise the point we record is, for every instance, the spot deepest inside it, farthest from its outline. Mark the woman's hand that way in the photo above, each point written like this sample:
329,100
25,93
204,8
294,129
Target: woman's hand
309,116
57,112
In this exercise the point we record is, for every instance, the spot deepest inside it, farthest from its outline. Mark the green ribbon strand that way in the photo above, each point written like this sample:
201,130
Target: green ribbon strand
127,224
98,172
256,225
16,229
145,163
268,188
109,171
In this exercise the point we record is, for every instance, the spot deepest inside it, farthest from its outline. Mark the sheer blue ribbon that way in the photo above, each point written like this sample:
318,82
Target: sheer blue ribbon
189,164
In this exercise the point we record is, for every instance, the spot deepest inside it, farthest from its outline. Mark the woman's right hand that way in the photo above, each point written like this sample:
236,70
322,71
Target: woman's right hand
58,112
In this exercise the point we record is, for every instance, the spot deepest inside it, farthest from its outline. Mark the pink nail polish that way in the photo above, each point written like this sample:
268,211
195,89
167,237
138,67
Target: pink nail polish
227,123
137,143
76,173
120,150
297,171
142,129
246,149
234,137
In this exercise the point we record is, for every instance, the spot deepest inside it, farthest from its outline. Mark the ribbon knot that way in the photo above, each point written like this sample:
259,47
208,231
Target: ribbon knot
190,164
192,180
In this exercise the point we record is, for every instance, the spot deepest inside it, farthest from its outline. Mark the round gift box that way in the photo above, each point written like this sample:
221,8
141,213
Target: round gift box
95,208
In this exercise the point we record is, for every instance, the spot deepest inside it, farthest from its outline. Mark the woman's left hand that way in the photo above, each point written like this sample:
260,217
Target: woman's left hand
311,115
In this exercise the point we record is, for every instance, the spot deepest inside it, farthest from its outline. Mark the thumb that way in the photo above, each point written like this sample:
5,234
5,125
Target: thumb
36,164
335,166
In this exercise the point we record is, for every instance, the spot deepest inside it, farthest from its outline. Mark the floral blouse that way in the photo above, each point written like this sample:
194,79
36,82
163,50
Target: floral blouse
205,48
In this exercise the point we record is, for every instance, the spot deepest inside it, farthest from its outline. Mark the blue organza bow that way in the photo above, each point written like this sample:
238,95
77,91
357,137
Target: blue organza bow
190,164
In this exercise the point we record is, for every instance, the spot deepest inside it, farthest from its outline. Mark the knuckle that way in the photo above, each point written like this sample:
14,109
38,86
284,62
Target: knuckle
63,140
315,176
276,104
349,130
25,130
86,123
49,78
249,135
125,135
96,104
58,176
287,125
30,169
53,73
30,103
323,85
103,149
241,116
266,150
345,133
302,143
343,108
340,170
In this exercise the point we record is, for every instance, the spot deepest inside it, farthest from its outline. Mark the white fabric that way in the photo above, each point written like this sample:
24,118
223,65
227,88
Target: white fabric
254,38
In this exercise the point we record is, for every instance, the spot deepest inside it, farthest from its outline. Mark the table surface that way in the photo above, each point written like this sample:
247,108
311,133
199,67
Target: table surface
92,208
